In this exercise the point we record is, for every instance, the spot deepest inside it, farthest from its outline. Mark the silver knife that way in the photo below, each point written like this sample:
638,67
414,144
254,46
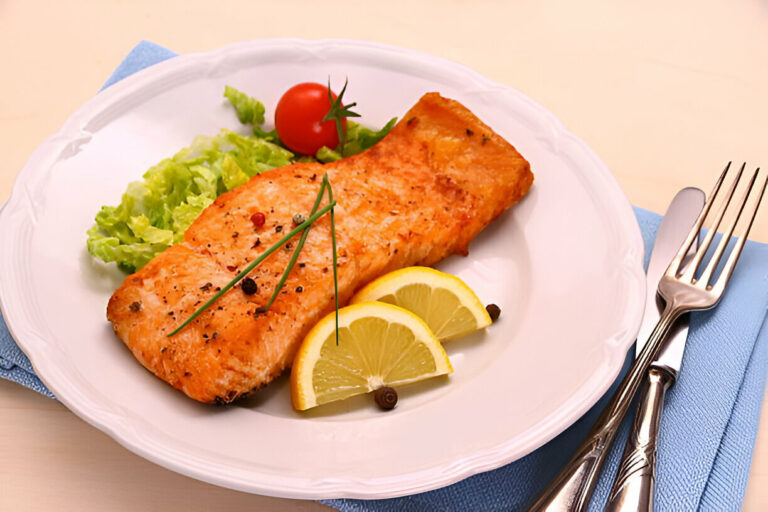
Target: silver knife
633,486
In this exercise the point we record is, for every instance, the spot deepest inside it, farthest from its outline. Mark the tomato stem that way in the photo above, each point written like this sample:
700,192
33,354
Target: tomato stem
338,112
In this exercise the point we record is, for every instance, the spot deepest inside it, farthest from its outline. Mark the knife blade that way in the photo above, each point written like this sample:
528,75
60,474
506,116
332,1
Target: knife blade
633,486
677,222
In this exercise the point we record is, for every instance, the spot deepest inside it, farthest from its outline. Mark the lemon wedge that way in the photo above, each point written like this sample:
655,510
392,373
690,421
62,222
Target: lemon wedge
448,306
379,345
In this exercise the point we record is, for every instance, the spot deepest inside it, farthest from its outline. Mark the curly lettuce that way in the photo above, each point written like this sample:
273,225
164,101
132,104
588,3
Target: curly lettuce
249,110
154,213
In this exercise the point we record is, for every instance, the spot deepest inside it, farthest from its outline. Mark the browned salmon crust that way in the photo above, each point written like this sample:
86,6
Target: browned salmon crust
416,197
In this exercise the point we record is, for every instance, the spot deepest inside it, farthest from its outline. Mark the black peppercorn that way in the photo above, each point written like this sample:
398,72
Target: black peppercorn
299,289
249,286
386,398
493,311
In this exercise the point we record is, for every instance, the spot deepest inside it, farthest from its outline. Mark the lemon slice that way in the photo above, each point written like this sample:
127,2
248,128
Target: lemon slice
448,306
379,344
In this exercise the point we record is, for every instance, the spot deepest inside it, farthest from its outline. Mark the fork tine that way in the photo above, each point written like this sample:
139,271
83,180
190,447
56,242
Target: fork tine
706,276
674,266
725,275
689,274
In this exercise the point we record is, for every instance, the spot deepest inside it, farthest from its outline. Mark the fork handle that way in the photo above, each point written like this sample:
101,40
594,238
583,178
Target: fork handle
633,487
571,489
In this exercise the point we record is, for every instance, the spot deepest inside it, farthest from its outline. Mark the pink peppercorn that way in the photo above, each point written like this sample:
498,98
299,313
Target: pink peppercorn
258,219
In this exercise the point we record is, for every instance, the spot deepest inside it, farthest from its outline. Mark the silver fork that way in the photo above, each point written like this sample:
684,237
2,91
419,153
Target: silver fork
683,290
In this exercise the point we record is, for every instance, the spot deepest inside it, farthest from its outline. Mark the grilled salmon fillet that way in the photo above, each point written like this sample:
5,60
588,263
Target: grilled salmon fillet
419,195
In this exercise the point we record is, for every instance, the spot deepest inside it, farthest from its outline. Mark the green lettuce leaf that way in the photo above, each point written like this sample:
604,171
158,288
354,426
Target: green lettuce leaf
326,154
360,138
249,110
154,213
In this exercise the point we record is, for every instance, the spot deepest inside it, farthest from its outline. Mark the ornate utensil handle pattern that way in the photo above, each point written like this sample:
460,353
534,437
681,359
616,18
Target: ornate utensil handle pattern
633,487
571,489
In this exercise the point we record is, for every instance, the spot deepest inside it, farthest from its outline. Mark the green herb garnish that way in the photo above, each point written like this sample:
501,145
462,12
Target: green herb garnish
335,259
337,112
305,227
254,263
299,246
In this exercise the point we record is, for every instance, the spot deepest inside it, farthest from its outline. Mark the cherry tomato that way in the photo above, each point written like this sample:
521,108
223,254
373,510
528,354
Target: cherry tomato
298,119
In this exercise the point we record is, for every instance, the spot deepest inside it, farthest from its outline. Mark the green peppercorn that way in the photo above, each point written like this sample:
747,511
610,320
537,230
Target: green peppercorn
298,218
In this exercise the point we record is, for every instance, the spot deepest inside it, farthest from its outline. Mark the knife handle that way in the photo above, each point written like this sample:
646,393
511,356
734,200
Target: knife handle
633,487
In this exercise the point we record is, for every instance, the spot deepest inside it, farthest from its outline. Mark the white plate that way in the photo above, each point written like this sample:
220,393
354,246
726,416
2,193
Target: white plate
564,265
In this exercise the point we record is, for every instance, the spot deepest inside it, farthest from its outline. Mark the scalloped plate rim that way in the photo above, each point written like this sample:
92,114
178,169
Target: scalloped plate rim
35,347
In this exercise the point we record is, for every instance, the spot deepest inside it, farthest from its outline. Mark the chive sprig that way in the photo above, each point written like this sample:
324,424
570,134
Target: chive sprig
305,227
299,246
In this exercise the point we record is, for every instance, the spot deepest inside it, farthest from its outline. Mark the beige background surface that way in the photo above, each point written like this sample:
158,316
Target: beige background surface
664,92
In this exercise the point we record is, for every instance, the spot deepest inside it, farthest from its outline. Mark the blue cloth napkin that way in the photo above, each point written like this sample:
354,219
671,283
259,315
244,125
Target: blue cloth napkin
710,419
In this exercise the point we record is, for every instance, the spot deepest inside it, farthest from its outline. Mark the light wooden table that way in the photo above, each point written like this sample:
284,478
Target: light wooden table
664,92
